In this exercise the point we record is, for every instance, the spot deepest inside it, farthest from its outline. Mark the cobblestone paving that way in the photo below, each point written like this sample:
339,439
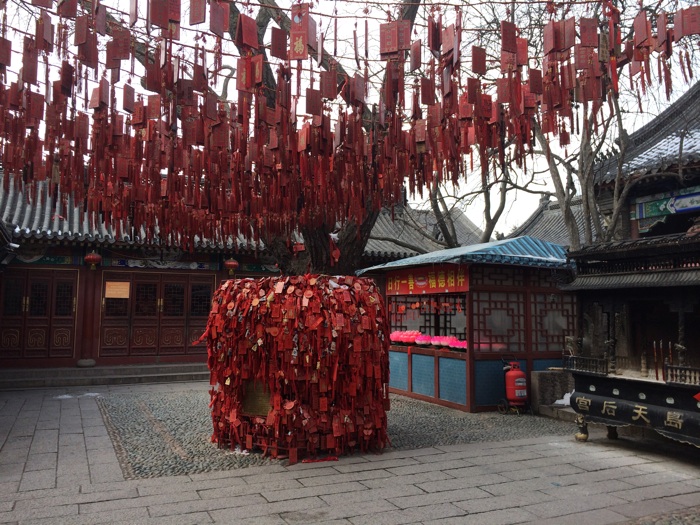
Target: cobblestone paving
169,434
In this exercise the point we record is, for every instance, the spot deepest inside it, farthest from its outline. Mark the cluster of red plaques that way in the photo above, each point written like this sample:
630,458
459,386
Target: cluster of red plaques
299,365
182,164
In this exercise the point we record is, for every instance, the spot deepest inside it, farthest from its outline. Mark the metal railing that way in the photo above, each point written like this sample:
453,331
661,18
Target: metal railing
684,375
590,365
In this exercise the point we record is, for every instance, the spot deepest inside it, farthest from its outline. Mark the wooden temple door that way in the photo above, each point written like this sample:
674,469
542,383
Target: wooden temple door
153,314
38,314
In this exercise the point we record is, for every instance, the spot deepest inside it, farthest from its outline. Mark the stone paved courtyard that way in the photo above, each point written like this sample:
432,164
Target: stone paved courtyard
61,461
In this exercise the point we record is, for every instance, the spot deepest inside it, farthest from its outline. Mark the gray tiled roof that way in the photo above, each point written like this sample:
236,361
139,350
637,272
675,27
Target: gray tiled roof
46,214
411,232
547,222
656,146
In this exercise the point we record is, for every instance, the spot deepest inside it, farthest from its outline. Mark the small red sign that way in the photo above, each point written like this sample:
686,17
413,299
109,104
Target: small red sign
443,278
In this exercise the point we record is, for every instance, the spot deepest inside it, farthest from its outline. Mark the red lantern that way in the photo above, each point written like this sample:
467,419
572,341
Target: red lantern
231,265
93,259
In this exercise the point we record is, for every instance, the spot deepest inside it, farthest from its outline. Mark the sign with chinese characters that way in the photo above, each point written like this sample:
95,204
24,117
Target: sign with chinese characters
670,409
441,278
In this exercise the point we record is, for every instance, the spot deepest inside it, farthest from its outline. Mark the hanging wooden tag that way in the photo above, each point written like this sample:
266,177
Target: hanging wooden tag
535,81
67,8
416,51
303,23
5,52
122,42
478,60
158,13
153,79
313,102
567,30
128,98
434,36
278,44
550,37
388,38
81,30
691,21
198,12
328,84
101,20
473,88
89,51
46,4
427,91
448,39
522,54
216,18
29,61
133,12
508,36
588,29
174,9
246,32
640,29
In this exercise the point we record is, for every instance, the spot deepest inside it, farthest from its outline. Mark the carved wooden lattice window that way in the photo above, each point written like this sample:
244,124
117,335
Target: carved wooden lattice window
39,299
437,314
553,318
63,300
200,300
499,321
174,300
12,297
146,298
116,307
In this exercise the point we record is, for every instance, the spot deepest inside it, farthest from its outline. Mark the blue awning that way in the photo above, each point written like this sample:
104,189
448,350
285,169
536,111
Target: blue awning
520,251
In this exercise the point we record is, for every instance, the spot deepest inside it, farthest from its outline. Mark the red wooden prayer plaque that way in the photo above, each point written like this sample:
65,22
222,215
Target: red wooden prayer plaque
198,12
216,18
478,60
68,8
278,44
329,84
588,29
158,13
508,36
5,52
246,32
535,81
415,55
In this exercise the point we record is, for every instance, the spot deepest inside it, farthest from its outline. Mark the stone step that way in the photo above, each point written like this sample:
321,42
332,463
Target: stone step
18,379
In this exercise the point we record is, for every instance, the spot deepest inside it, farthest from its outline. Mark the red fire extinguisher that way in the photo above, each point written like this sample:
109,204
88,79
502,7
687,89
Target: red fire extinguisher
516,389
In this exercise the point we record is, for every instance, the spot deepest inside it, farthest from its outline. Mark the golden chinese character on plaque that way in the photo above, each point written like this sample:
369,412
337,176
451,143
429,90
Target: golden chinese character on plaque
609,408
674,420
640,412
299,46
583,404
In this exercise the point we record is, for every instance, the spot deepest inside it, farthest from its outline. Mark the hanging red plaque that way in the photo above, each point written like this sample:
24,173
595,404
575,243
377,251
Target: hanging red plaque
67,8
278,44
158,13
5,52
508,36
246,32
198,12
416,55
216,18
478,60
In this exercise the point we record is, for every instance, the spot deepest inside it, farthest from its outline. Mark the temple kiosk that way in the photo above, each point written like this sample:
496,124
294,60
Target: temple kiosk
455,315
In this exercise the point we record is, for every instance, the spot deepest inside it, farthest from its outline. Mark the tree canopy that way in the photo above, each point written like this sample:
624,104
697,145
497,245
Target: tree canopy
132,111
